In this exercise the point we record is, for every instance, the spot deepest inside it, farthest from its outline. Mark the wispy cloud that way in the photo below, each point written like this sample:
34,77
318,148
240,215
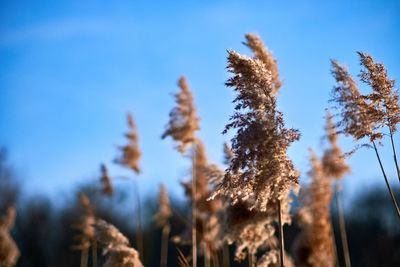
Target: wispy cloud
54,30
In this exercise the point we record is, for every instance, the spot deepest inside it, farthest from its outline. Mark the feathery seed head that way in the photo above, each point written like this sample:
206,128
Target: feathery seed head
317,239
106,186
164,212
333,161
130,153
84,225
354,109
183,120
260,169
384,98
116,249
255,43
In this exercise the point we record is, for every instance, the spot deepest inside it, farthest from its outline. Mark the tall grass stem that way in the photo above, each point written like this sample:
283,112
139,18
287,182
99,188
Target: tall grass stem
194,246
342,226
281,241
386,180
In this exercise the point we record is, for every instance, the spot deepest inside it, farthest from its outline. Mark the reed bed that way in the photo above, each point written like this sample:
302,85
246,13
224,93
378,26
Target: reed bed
243,204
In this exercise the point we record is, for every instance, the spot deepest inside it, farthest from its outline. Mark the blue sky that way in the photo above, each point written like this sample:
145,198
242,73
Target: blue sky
70,70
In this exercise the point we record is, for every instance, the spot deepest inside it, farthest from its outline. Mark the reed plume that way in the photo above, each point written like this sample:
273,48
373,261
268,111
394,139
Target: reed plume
317,247
335,167
129,158
9,252
207,211
86,238
353,108
260,175
181,127
115,246
252,230
255,43
260,170
333,161
183,119
106,186
364,115
130,153
384,97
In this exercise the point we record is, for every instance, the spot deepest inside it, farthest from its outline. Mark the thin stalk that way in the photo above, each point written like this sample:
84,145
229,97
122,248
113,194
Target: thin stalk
250,259
84,257
281,242
207,246
387,182
164,245
139,234
215,258
342,225
194,246
334,244
94,253
225,255
206,256
394,153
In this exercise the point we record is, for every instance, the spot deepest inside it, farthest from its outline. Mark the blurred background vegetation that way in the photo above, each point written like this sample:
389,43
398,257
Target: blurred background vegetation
45,238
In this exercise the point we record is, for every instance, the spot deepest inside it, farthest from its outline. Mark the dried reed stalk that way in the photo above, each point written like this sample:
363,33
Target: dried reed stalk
342,226
162,220
364,115
86,237
281,241
335,167
316,246
260,173
194,209
181,127
384,97
225,255
129,158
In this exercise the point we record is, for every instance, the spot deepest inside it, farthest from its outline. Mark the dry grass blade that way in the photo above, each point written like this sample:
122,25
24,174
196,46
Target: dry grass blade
182,261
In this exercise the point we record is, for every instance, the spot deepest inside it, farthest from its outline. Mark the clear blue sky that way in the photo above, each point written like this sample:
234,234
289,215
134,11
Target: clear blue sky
70,70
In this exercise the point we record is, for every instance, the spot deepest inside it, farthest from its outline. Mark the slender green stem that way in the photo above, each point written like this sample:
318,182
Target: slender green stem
387,182
394,153
342,226
281,241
